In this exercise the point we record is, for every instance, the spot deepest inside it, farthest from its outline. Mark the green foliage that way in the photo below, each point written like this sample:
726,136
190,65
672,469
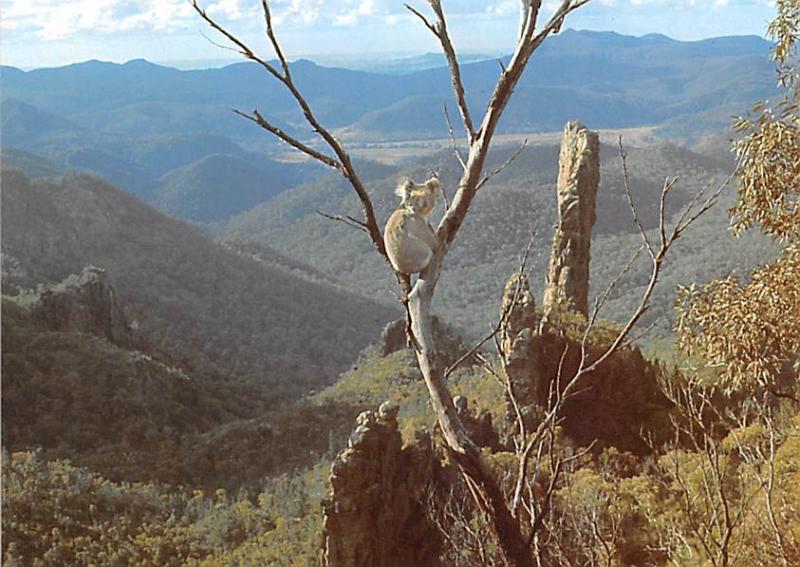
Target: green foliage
375,379
751,331
56,514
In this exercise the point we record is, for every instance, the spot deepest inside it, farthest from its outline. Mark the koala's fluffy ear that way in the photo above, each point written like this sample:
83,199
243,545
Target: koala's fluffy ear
433,185
403,189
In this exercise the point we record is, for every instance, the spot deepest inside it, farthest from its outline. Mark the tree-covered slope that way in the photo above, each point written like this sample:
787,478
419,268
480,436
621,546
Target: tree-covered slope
519,199
218,186
237,317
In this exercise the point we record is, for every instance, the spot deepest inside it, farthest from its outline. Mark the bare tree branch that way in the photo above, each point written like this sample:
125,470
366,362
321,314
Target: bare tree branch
244,50
623,156
439,29
686,219
422,17
272,39
504,165
292,141
456,152
505,313
343,162
346,219
524,14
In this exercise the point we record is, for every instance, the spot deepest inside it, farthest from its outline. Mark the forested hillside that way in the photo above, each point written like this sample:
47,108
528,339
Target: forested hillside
209,307
520,199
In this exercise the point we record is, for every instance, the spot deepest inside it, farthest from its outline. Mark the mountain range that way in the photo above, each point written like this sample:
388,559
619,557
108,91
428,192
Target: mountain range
162,133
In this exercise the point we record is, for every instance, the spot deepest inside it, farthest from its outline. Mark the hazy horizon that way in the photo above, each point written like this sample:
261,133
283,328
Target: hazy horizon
342,60
44,33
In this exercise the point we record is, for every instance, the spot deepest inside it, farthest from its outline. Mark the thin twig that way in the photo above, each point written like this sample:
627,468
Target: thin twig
273,40
439,29
453,137
504,165
287,138
623,156
634,338
686,219
219,45
506,311
422,17
346,219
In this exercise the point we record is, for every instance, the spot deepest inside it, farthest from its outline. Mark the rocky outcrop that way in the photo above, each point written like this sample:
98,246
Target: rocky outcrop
578,176
479,427
610,405
541,354
393,338
518,335
374,516
83,303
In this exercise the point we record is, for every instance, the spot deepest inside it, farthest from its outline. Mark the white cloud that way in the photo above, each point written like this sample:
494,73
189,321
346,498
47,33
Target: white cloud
503,8
58,19
302,11
233,10
53,19
350,17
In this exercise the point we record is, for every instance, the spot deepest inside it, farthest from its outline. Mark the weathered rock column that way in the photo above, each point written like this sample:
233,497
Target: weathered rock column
373,516
567,286
518,335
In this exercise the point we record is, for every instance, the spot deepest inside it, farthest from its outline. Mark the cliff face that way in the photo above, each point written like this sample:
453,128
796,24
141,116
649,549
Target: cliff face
578,178
82,303
374,516
610,405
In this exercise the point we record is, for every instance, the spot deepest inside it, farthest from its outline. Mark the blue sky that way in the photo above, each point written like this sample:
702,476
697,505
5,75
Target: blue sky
44,33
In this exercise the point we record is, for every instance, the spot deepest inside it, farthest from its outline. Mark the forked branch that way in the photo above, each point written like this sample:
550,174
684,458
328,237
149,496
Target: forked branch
342,163
439,29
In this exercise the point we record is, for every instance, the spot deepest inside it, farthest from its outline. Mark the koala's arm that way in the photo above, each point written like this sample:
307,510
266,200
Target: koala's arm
430,237
419,230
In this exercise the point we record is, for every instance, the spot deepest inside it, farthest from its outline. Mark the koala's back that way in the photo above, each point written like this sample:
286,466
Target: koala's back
410,241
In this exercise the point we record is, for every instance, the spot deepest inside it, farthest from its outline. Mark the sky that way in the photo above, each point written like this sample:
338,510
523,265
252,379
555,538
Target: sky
48,33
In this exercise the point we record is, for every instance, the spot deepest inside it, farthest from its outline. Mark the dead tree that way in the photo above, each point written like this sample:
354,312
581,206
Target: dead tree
484,489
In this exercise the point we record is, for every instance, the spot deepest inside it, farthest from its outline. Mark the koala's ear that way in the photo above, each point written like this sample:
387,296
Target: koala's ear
433,185
404,188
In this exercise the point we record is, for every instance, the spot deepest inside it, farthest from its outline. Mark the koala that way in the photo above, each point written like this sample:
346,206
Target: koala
409,237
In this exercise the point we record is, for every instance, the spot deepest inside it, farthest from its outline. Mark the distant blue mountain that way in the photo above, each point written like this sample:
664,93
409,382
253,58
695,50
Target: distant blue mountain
134,123
655,79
